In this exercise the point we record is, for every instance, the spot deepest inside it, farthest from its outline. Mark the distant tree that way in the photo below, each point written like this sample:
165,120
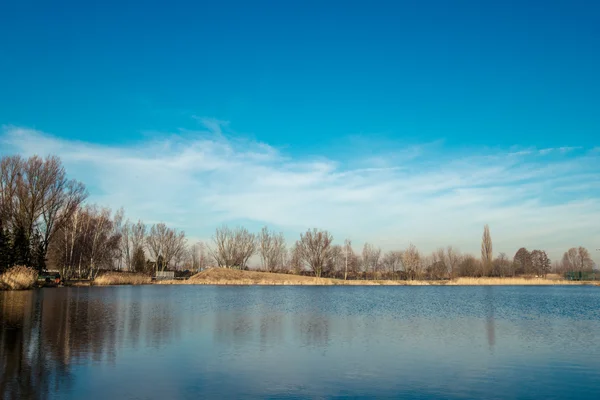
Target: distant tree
138,261
438,267
370,257
437,270
126,248
392,262
160,263
232,248
295,260
347,256
166,243
522,261
335,266
271,248
470,267
502,266
540,262
314,248
486,250
199,258
577,259
411,261
453,259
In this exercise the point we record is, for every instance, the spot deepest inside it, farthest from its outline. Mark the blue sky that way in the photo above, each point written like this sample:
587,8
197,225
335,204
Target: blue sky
490,110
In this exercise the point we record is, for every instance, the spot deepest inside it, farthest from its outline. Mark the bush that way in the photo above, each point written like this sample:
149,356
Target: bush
18,278
122,278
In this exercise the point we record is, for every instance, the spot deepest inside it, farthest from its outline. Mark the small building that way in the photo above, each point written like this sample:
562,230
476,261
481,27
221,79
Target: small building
165,275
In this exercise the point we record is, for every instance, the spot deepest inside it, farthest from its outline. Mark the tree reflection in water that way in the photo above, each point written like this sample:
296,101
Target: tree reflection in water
45,333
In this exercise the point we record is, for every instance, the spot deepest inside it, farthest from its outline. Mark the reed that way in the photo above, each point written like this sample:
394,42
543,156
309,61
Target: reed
18,278
224,276
511,281
121,278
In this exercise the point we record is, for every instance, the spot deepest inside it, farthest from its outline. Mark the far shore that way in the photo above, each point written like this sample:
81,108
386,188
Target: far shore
24,278
232,277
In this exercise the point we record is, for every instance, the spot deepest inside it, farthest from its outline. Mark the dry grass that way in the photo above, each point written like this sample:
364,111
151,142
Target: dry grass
121,278
222,276
78,283
513,281
18,278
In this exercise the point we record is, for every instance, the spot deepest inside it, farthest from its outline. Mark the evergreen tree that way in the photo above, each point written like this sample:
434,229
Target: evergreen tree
138,261
4,248
160,262
38,252
20,249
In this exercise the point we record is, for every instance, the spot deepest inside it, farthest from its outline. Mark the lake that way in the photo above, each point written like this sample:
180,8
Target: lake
190,342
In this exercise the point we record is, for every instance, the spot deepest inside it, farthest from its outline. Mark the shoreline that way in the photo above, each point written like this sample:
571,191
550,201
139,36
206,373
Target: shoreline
232,277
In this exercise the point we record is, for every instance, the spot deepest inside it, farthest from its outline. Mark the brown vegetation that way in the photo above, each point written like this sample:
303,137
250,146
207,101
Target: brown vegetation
121,278
18,278
227,276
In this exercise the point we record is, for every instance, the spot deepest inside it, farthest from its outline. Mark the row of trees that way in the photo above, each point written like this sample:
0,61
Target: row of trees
44,222
315,252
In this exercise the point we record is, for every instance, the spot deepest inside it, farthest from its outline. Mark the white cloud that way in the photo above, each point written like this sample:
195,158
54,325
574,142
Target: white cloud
423,194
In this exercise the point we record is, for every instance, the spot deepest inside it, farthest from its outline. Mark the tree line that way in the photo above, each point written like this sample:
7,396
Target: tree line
46,223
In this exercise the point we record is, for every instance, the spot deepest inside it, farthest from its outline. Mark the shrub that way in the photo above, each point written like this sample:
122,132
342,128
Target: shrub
18,278
122,278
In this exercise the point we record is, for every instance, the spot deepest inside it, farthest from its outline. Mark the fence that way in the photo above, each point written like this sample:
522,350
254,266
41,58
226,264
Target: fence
165,275
582,275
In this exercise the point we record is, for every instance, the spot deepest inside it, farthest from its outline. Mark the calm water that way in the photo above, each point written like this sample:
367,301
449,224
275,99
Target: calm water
163,342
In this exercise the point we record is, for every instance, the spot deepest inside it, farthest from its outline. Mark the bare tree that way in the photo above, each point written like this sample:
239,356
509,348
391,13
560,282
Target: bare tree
198,255
10,172
577,259
86,244
371,256
347,254
487,256
411,260
295,260
36,197
165,244
138,235
315,249
271,248
126,249
233,247
540,262
502,266
437,268
453,259
336,264
392,262
133,237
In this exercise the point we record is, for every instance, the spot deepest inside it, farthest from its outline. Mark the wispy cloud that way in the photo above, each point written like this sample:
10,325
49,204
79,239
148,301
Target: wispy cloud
424,194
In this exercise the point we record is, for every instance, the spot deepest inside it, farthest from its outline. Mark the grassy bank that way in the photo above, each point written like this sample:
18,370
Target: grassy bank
221,276
121,278
18,278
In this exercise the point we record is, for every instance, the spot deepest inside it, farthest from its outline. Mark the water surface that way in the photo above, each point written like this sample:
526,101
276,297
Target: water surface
159,342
